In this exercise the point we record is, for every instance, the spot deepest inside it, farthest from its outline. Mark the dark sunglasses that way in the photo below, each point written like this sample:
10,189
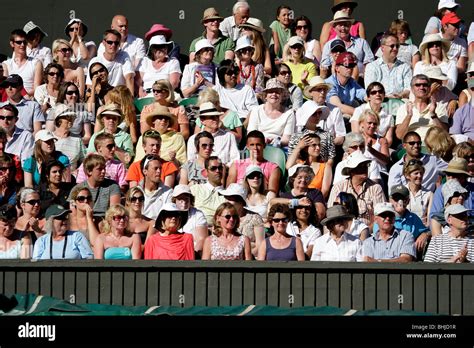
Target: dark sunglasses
110,146
20,42
101,70
4,169
156,91
433,44
285,72
65,50
8,118
255,176
137,199
357,147
413,143
71,29
51,73
424,85
111,42
34,202
162,117
349,66
246,50
216,168
387,215
205,146
72,92
120,217
392,46
299,27
305,207
376,91
232,72
83,199
111,117
284,220
229,216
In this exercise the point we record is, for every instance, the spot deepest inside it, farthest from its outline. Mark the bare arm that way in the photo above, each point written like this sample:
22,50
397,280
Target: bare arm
232,177
87,133
415,59
174,79
361,30
136,247
91,227
169,180
38,76
327,181
81,80
183,177
247,249
206,249
37,126
259,233
276,43
382,156
99,249
274,181
26,247
403,258
299,250
401,129
28,177
324,36
129,81
200,235
262,251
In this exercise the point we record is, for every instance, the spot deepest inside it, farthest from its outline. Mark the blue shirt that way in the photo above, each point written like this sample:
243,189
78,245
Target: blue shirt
438,200
408,222
77,247
29,112
400,242
31,166
348,93
395,79
21,144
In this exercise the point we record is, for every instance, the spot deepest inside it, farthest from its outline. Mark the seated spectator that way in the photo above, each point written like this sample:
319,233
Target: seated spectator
60,242
465,95
299,178
294,95
114,170
17,142
44,151
151,142
271,172
8,184
465,150
281,31
138,223
196,224
455,246
52,189
444,7
336,48
302,68
433,166
95,94
281,246
105,192
450,31
367,192
304,29
82,214
253,28
356,227
334,123
116,242
111,116
251,73
160,29
302,226
156,193
346,93
47,93
391,72
62,55
251,224
225,145
271,118
192,171
463,119
13,243
206,195
168,243
337,245
441,94
35,50
157,65
230,26
389,244
233,95
257,197
173,146
82,50
434,52
67,143
30,222
420,198
439,143
375,99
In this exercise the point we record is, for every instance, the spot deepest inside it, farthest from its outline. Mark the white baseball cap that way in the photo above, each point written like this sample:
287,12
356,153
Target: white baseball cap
447,4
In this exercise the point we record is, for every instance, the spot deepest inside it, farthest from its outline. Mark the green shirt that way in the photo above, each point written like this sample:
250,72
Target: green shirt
222,45
122,141
284,35
231,121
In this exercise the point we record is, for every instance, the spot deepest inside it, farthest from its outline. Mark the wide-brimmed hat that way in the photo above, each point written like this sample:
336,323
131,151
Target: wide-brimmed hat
315,81
181,189
110,109
295,40
44,135
384,207
254,24
55,210
160,40
203,43
447,4
253,169
434,72
292,171
352,161
450,188
457,165
273,84
243,42
336,212
434,38
210,13
170,208
63,110
71,22
208,109
30,26
341,16
454,209
158,29
307,110
338,3
159,110
234,189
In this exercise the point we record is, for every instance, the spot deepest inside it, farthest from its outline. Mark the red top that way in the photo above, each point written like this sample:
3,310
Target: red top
177,246
135,174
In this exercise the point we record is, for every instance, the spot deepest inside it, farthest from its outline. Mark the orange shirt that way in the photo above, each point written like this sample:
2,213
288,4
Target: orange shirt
135,174
318,177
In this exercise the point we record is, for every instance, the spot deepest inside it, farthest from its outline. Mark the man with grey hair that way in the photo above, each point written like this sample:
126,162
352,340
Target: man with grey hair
230,25
421,113
390,71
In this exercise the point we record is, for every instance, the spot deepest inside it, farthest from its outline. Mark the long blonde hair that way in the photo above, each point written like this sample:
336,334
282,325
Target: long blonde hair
116,209
260,46
425,55
440,143
55,47
122,96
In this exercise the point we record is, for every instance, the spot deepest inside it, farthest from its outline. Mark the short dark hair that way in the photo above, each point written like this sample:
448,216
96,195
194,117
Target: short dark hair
148,159
93,65
373,85
203,134
410,134
63,89
46,169
49,67
226,66
17,32
279,208
256,134
208,160
11,108
113,32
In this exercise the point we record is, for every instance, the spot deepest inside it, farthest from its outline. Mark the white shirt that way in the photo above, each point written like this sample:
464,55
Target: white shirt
196,218
272,127
308,236
229,28
357,227
225,147
155,200
458,48
41,53
42,97
326,249
134,46
118,68
374,172
334,124
386,120
150,74
240,99
448,68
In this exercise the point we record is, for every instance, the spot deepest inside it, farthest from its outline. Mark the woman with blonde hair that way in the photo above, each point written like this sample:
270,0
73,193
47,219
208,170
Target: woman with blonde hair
302,68
253,28
62,54
226,243
122,97
164,95
229,118
82,214
439,143
420,197
116,242
138,223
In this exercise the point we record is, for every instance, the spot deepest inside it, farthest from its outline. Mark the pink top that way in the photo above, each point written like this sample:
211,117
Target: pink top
266,166
114,170
219,252
354,31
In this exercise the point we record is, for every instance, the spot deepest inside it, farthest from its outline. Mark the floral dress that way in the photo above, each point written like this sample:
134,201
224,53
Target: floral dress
219,252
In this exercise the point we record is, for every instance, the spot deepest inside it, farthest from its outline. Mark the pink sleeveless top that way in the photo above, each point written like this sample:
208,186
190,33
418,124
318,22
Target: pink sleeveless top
219,252
354,31
267,168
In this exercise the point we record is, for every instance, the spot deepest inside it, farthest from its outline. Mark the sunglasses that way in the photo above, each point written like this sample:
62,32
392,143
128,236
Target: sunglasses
101,70
120,217
111,42
376,91
4,169
111,117
66,50
12,85
357,147
71,29
72,92
229,216
205,146
137,199
20,42
162,117
33,202
83,199
8,118
285,72
54,74
284,220
304,207
300,27
413,143
392,46
110,147
461,216
349,66
433,44
156,91
387,215
232,72
216,168
424,85
246,50
255,176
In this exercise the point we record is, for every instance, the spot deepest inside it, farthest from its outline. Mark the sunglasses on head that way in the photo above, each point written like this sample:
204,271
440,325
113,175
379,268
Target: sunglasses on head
111,42
137,199
101,70
8,118
83,199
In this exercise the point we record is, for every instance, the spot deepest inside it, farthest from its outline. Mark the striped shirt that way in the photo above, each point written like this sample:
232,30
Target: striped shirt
328,148
400,242
443,247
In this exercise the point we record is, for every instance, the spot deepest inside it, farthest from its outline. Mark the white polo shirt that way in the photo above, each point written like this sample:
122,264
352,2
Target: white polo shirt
118,68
